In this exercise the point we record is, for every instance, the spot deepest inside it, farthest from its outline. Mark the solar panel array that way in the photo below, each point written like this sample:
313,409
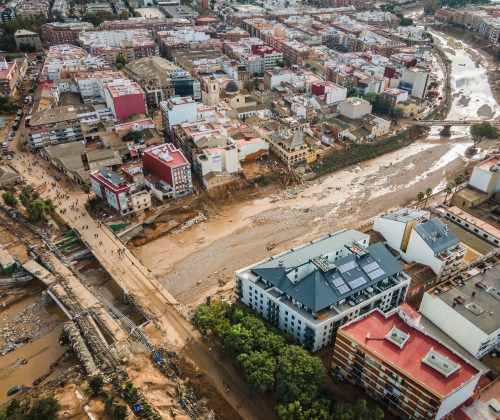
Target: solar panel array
343,289
347,266
338,282
370,267
357,282
376,273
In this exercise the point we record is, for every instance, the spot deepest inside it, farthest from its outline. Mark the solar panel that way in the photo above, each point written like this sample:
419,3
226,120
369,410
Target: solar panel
357,282
338,282
347,266
343,289
370,267
377,273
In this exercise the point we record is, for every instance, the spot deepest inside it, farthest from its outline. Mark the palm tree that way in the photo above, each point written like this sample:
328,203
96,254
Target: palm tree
448,190
420,197
458,180
428,193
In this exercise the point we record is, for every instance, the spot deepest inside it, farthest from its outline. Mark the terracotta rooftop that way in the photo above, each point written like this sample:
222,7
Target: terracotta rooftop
409,358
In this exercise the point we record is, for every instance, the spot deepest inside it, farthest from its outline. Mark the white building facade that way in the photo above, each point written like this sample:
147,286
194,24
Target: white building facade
308,306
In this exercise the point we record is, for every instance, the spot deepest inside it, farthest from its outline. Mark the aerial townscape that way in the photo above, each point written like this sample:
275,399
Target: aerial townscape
250,209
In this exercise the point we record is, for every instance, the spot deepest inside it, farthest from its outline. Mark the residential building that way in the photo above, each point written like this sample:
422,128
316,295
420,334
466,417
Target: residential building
257,56
98,7
11,74
477,226
168,166
330,92
312,290
177,110
132,44
485,177
393,96
468,312
152,25
125,99
412,373
415,81
9,176
54,126
354,108
121,196
160,79
376,126
58,33
27,39
426,241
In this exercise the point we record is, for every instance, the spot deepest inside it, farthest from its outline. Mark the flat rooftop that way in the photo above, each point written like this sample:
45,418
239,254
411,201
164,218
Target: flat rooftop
443,373
406,214
481,224
482,309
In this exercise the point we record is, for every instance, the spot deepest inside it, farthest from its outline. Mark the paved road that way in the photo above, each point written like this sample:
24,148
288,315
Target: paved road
135,279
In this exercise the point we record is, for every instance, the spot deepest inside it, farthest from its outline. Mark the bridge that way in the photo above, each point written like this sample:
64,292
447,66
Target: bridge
456,123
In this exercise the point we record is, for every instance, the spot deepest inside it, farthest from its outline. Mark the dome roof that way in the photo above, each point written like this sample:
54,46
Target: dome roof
232,87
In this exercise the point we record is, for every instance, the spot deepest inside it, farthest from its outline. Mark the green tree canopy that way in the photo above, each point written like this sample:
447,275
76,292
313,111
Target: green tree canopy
484,129
95,384
259,369
299,376
44,409
10,199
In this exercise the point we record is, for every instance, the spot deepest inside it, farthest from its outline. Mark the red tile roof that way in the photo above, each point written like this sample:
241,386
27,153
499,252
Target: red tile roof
409,358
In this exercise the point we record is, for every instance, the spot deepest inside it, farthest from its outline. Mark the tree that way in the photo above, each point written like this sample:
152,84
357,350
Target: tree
124,15
44,409
95,384
458,180
484,129
398,113
13,409
120,61
428,193
120,412
28,194
133,135
359,411
86,190
371,97
430,6
299,376
420,197
10,199
448,190
404,21
259,369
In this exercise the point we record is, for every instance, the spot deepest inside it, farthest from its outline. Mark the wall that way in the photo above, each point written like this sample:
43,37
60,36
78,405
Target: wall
452,323
391,230
457,398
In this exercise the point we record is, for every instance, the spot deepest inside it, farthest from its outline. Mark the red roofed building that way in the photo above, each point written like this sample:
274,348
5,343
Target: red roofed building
414,374
125,99
168,164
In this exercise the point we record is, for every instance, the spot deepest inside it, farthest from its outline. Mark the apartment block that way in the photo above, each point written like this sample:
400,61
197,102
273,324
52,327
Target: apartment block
426,241
160,79
121,196
468,312
312,290
170,169
54,126
412,373
131,44
11,74
57,33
